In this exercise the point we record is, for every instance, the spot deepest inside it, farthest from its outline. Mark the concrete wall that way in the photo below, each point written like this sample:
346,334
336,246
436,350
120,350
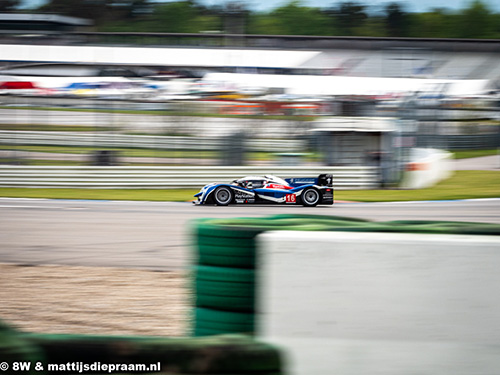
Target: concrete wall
381,303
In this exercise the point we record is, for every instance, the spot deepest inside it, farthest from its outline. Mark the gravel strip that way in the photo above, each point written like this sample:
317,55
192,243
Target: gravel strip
95,300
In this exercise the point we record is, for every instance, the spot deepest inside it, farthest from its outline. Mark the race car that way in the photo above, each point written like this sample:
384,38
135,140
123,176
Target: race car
269,189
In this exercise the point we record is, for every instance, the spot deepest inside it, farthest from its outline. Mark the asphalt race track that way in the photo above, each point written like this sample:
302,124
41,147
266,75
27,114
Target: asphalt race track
155,235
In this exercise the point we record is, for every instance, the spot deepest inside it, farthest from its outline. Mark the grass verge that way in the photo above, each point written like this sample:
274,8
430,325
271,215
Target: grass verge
466,154
462,185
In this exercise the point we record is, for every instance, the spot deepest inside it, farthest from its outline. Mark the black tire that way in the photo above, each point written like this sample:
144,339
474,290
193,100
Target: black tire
226,242
238,319
241,304
226,274
226,261
209,331
225,326
223,196
310,197
202,330
227,250
224,228
218,288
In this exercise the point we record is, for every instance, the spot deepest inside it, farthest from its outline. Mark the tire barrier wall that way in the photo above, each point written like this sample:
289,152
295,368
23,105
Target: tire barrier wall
229,354
227,259
400,303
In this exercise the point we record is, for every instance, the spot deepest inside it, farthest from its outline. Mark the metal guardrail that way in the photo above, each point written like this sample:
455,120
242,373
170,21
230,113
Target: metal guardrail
141,141
345,178
489,141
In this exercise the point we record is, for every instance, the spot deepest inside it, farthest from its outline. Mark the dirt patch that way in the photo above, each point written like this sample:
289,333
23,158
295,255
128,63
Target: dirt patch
95,300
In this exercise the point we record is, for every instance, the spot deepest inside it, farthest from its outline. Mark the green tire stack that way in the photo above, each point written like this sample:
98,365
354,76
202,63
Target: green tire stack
227,258
225,273
224,280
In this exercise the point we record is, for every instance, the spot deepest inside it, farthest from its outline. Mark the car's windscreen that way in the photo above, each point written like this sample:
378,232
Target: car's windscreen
258,183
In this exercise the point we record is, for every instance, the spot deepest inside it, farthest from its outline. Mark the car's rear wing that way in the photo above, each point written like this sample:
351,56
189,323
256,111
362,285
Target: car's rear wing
321,180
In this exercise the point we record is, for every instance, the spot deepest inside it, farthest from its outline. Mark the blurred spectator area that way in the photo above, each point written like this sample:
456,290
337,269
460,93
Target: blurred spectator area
270,54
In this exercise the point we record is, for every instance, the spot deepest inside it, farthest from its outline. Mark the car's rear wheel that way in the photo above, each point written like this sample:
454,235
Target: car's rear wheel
223,196
310,197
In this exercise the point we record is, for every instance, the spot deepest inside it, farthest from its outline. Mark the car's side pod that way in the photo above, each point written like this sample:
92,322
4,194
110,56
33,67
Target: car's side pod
325,180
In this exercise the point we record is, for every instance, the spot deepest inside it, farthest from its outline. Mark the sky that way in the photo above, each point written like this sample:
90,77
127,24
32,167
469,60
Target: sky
410,5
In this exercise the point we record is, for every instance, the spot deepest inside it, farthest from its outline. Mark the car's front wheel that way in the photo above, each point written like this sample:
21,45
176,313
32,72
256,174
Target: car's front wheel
223,196
310,197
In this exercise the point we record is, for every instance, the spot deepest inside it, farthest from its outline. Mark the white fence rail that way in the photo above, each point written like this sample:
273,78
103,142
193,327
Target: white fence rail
141,141
172,177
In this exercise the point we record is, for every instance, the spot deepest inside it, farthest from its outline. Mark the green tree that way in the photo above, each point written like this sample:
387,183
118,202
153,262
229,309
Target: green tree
175,17
264,23
348,17
495,19
185,17
437,23
100,11
372,26
132,8
291,19
476,21
76,8
235,16
396,20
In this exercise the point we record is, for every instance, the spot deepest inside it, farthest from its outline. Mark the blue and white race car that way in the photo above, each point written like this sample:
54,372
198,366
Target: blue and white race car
269,189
